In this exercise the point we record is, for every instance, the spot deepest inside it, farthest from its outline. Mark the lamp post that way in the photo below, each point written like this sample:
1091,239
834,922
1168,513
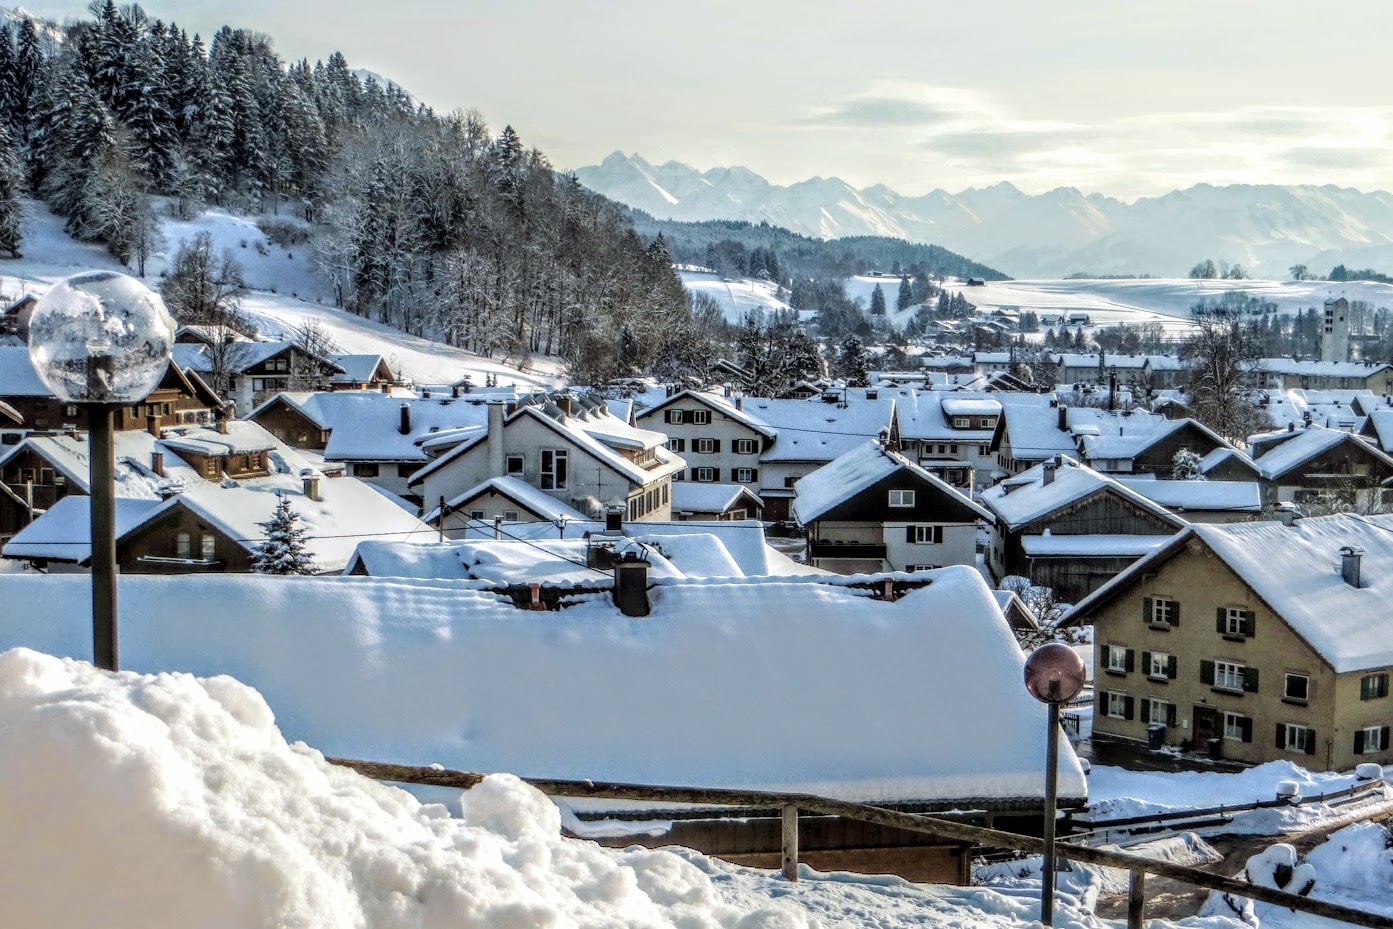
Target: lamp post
101,340
1054,674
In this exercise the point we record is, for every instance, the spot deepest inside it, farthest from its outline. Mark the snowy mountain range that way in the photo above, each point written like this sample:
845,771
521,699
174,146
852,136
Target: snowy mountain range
1265,228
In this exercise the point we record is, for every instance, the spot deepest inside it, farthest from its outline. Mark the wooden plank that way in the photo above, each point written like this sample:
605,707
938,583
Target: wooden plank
1136,898
790,850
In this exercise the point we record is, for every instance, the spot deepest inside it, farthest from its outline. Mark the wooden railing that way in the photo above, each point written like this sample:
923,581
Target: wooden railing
949,830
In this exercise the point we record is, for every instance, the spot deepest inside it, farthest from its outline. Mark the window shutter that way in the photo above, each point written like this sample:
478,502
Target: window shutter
1128,707
754,474
1245,728
1170,715
909,534
1250,621
1172,667
716,446
1146,663
1207,673
1129,659
1359,742
1146,711
1175,613
1148,609
1281,735
1250,680
1311,741
1383,739
1102,703
1219,624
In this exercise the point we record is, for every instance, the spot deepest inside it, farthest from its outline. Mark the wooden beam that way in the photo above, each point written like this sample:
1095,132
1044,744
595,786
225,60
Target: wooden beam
1136,898
790,849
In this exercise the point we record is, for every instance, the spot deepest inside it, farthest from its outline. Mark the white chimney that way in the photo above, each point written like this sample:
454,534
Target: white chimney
1350,558
309,480
495,440
1047,473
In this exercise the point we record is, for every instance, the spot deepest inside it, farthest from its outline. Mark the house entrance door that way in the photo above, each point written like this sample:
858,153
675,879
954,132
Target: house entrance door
1206,723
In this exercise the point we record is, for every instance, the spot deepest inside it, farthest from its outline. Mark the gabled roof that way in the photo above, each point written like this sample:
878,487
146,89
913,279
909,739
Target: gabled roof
246,355
365,425
542,505
10,413
1342,369
356,369
717,404
1025,498
695,497
1213,496
1380,426
1219,456
64,532
1296,571
1293,449
865,466
1130,445
814,430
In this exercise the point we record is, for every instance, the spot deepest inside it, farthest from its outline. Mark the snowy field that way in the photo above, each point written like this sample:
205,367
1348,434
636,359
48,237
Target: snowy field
284,293
736,297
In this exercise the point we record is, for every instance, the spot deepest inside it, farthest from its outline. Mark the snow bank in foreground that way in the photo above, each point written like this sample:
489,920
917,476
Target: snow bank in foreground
168,800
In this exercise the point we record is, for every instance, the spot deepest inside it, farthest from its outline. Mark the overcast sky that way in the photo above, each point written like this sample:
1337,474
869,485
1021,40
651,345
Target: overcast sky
1123,97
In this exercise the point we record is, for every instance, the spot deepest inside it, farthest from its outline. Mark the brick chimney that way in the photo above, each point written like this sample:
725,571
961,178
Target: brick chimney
1351,557
157,463
152,425
309,481
495,440
220,419
630,590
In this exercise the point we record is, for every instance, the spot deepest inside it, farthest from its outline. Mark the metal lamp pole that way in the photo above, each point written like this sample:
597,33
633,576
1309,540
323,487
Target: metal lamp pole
103,484
1054,674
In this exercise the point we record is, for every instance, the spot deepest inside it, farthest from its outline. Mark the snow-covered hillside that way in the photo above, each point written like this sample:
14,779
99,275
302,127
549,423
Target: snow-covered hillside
1266,228
736,297
285,292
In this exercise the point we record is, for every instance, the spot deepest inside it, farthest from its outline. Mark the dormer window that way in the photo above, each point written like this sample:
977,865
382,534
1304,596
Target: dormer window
962,422
902,498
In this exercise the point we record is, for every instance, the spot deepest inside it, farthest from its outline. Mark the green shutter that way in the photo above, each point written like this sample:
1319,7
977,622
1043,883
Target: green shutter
1207,673
1383,739
1219,624
1146,663
1175,613
1170,715
909,534
1359,742
1102,703
1281,735
1250,623
1146,711
1148,609
1250,680
1310,741
1172,667
1245,727
1129,706
1129,659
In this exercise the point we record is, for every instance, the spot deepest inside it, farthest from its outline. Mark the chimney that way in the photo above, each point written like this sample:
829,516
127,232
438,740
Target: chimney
309,481
1063,417
495,440
740,403
1291,427
386,388
1350,558
1047,471
425,394
1286,513
564,402
498,527
614,519
456,391
157,463
631,585
220,418
671,391
405,427
152,425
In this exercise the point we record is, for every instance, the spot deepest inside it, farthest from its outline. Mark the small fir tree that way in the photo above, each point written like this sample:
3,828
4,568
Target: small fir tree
1187,466
283,551
877,301
905,298
11,211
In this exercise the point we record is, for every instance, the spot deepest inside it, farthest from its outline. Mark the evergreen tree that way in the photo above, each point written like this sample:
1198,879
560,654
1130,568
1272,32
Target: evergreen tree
29,75
1187,466
852,363
11,184
7,77
658,251
283,551
877,301
905,299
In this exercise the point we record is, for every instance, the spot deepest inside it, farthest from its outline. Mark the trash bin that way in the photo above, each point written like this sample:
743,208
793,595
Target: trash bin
1215,748
1156,736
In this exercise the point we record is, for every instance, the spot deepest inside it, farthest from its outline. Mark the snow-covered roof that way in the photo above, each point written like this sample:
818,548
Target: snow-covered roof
524,494
432,671
1321,368
1296,448
365,425
1025,498
814,430
246,355
64,532
1228,496
1381,424
1087,360
1090,546
356,369
859,469
1220,455
716,403
17,375
696,497
1296,571
925,415
958,405
998,358
1035,434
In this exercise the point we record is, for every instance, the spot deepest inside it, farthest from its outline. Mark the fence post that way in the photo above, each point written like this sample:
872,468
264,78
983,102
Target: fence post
1136,898
790,853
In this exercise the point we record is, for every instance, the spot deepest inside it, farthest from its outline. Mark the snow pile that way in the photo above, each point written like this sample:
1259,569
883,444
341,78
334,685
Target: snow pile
170,800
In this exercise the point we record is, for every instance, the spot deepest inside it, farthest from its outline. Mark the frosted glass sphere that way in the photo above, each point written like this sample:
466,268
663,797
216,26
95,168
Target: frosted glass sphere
100,337
1054,673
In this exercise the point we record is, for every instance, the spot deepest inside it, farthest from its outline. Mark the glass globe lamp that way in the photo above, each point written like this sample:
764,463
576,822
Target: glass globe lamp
100,337
1054,673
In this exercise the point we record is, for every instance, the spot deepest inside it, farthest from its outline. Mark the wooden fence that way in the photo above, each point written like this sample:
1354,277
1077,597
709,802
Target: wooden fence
949,830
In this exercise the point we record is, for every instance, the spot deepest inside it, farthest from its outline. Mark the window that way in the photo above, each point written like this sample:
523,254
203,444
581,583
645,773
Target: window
705,446
1295,738
1296,688
405,470
789,482
1158,711
513,464
677,445
962,422
1235,622
183,545
1161,612
746,475
902,498
476,514
209,547
554,468
1159,665
664,494
1238,728
744,446
984,450
924,535
365,470
1370,740
672,416
922,567
510,516
1228,676
706,475
1117,660
700,417
1373,686
1119,706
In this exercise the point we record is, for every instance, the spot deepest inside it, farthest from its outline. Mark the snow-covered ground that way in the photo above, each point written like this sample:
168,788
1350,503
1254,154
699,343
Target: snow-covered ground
736,297
285,293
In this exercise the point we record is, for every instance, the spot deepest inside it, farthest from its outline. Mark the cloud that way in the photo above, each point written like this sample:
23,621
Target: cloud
890,105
